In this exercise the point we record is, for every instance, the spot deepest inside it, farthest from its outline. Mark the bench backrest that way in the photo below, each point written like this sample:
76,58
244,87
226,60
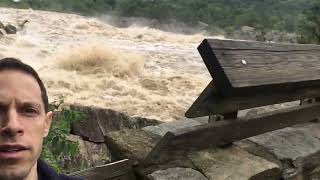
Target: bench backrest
240,67
251,74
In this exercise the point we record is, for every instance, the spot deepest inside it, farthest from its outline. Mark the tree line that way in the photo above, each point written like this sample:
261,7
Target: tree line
282,15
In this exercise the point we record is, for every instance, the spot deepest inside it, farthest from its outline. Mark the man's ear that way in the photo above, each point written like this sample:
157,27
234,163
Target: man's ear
47,123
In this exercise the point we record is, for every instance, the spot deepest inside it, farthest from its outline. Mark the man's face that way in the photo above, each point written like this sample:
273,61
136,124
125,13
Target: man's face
23,124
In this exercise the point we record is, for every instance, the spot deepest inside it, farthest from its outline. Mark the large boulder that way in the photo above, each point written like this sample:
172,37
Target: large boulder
10,29
91,155
98,122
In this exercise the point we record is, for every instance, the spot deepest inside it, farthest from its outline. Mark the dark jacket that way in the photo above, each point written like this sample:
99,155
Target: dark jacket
46,173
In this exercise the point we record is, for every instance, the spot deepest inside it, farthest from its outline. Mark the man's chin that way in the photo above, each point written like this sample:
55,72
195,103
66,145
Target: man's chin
17,171
13,174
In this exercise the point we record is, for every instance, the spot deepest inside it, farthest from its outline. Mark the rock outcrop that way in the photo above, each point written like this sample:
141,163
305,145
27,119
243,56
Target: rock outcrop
99,122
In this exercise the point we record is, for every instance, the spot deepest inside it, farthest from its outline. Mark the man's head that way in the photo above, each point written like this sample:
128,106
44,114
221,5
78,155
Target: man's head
17,65
24,119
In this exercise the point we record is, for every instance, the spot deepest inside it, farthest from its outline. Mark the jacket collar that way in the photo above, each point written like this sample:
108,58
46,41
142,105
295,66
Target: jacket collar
45,172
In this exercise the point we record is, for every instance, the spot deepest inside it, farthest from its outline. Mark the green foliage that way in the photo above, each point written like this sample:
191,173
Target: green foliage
224,14
56,146
309,25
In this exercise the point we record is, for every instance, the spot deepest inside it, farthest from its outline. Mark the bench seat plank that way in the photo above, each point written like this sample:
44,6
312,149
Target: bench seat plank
209,102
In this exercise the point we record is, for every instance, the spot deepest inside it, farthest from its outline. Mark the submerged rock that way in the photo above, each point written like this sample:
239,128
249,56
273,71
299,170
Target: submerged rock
10,29
1,25
21,25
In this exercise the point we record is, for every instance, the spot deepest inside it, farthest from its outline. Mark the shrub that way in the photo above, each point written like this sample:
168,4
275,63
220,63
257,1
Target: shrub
56,146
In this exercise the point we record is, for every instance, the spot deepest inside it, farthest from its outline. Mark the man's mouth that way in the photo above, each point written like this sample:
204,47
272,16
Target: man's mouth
9,148
11,152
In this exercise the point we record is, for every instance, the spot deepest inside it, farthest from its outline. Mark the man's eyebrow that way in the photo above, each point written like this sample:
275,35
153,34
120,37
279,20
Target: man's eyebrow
30,103
3,98
3,102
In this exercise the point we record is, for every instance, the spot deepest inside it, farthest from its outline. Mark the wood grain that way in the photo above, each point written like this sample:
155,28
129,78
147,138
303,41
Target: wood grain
210,102
268,65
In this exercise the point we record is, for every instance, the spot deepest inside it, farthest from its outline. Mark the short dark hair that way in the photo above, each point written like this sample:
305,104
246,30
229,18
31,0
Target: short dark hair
16,64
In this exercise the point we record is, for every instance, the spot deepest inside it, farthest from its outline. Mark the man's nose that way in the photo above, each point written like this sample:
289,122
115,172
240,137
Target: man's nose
10,124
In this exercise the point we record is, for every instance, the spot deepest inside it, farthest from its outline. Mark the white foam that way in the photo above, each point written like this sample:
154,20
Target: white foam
170,78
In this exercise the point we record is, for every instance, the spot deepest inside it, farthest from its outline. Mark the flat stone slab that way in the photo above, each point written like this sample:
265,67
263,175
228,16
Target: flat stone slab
133,144
233,163
163,128
177,174
296,149
312,128
288,143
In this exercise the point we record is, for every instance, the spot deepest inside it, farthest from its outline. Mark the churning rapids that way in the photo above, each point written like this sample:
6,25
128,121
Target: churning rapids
138,70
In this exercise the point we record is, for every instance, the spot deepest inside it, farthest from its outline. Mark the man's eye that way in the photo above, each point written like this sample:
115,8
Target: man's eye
3,109
30,111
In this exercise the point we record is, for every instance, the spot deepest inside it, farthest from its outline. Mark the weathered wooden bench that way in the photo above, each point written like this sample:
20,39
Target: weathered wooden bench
248,75
245,75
